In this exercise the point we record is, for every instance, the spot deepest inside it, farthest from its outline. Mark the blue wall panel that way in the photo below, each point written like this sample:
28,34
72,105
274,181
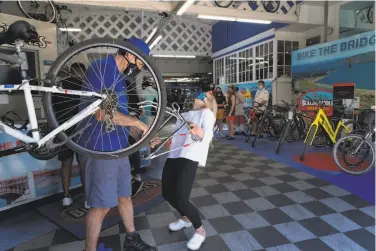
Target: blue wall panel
225,34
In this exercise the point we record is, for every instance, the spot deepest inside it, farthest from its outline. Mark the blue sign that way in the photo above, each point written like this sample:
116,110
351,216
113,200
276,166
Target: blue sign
339,49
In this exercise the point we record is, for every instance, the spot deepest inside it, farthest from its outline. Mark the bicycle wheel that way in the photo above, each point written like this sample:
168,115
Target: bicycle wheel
223,4
38,10
282,139
308,140
348,161
92,137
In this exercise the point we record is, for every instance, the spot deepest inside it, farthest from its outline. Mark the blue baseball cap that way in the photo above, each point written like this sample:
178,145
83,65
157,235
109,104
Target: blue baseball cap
140,44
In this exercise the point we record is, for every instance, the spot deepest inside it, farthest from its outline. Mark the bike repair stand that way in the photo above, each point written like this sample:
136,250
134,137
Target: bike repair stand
174,111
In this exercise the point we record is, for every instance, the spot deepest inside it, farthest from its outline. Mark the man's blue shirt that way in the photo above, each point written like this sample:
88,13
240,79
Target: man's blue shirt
104,74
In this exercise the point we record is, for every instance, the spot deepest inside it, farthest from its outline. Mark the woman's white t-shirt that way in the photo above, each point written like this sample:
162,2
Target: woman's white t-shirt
197,151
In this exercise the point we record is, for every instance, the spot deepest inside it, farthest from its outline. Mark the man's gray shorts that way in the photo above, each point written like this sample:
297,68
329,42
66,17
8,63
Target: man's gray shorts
106,180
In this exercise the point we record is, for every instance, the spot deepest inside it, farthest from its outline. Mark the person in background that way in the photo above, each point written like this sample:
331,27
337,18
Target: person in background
230,111
108,182
239,112
262,100
221,102
179,171
61,102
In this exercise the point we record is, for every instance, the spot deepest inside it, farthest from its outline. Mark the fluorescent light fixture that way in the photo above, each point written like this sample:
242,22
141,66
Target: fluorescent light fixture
234,58
173,56
185,56
155,42
256,21
184,7
151,35
163,56
70,29
232,19
216,18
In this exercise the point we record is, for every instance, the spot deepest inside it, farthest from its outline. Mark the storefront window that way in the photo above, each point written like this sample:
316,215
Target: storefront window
218,68
231,64
284,52
246,65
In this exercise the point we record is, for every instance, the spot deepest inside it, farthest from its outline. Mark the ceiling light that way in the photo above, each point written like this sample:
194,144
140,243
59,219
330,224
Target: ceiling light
173,56
185,56
155,42
216,18
256,21
151,35
70,29
163,56
244,20
184,7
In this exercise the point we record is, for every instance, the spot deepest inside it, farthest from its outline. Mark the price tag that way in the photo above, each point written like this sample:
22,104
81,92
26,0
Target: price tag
291,115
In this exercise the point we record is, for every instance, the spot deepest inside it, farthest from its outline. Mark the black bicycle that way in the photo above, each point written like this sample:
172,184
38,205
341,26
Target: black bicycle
294,128
269,124
269,6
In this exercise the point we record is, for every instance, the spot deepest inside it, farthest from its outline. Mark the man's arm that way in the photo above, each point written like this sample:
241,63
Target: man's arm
121,119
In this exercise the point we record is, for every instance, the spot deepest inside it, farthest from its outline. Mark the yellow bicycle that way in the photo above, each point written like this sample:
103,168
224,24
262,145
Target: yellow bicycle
322,125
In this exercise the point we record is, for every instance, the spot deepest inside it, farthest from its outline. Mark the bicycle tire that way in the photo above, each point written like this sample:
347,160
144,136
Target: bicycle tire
337,161
299,127
53,17
91,43
311,133
223,5
267,9
283,136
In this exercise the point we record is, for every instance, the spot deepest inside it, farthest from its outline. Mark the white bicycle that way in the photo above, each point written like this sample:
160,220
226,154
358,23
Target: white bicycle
82,100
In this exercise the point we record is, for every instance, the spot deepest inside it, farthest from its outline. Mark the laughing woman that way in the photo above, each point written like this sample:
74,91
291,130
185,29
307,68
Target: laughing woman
180,168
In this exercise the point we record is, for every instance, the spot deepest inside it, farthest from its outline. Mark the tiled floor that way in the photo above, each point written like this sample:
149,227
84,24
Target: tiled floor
248,202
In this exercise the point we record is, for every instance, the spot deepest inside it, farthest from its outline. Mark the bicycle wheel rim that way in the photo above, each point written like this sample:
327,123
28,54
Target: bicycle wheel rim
338,151
24,10
104,42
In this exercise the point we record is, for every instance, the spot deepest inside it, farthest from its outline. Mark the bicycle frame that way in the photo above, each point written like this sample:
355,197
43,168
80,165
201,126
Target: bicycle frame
323,121
21,61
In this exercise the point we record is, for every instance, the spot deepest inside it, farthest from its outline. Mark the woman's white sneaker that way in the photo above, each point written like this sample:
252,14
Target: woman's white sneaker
179,225
196,241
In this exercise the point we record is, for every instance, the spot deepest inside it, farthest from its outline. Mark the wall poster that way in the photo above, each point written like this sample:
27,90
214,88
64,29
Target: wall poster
347,60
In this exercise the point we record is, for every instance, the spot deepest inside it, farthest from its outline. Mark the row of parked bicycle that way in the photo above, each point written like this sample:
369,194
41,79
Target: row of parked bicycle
352,141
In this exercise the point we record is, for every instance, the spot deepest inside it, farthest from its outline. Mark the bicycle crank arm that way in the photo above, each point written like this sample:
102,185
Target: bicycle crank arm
18,149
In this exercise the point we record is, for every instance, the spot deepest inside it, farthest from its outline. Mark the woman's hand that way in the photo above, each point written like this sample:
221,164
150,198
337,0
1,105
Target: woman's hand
99,115
197,130
156,141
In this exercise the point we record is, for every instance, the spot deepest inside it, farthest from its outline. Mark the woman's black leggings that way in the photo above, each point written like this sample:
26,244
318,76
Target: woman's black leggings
177,181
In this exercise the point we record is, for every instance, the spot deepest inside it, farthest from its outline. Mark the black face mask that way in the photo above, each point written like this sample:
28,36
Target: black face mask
132,70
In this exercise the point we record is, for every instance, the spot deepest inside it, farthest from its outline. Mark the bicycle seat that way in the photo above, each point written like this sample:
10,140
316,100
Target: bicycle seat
19,30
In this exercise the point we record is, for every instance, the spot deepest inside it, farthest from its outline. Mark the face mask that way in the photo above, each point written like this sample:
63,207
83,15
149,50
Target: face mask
132,70
260,87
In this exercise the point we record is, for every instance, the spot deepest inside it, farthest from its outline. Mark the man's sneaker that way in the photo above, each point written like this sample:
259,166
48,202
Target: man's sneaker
86,206
136,187
135,243
179,225
195,242
67,201
137,177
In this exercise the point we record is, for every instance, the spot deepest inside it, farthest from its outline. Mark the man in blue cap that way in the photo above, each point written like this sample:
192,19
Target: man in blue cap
108,182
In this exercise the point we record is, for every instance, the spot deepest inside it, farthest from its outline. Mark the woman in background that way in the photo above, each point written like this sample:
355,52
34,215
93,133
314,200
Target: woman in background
181,165
230,111
221,101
